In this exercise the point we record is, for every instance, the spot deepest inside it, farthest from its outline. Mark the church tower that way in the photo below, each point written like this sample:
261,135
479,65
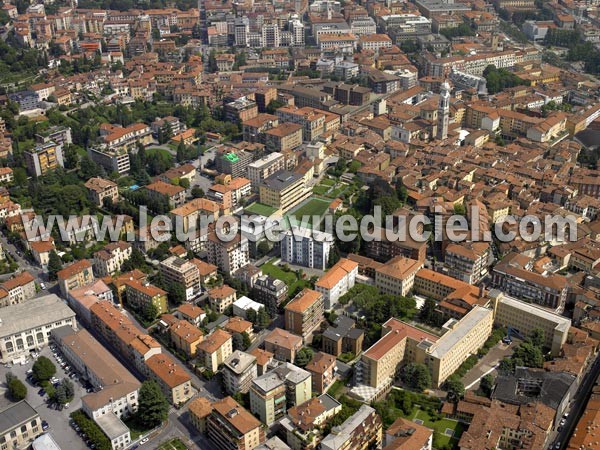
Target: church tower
443,111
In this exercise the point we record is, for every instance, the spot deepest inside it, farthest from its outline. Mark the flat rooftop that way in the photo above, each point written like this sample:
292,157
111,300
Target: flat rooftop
452,337
32,314
112,426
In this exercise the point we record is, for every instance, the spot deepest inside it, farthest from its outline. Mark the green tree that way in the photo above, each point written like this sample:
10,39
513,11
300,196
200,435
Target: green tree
153,407
455,389
416,376
43,369
150,312
303,357
487,385
176,292
528,355
54,265
334,256
17,391
197,192
238,342
538,337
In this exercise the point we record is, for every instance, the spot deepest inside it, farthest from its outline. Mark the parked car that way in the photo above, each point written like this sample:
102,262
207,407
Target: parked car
143,441
45,425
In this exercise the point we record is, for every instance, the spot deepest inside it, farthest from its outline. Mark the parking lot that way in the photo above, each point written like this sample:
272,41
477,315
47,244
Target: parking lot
58,421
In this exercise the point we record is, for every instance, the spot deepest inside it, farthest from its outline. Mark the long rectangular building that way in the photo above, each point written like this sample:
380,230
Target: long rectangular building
116,389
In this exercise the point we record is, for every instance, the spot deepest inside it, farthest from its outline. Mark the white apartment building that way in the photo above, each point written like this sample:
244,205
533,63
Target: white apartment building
264,167
109,260
337,281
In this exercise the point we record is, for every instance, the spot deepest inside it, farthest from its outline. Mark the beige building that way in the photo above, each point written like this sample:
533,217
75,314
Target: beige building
178,270
230,426
304,313
215,349
283,344
526,317
174,381
21,424
199,408
397,276
76,275
402,344
186,337
221,298
99,189
283,137
239,369
109,260
283,190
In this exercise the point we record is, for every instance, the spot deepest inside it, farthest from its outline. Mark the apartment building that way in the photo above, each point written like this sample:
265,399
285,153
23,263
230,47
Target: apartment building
228,256
254,128
303,423
215,349
283,344
304,313
118,138
174,381
124,337
467,261
397,276
313,121
525,318
109,260
74,276
263,168
21,424
374,42
178,270
141,294
6,175
22,332
19,288
269,291
548,290
239,369
185,337
116,389
323,370
345,43
360,431
237,325
343,337
338,280
190,214
284,137
283,190
405,434
199,408
192,313
221,298
99,189
208,272
112,160
173,195
44,158
281,388
306,247
230,426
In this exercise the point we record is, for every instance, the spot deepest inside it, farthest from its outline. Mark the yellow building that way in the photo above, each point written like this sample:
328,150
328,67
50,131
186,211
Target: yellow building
200,408
44,158
142,294
186,337
215,349
283,190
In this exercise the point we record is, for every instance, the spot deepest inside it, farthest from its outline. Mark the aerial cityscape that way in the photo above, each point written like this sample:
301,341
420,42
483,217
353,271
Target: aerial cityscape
300,224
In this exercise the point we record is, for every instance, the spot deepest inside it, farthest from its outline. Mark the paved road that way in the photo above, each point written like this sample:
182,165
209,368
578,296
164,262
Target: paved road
487,364
578,405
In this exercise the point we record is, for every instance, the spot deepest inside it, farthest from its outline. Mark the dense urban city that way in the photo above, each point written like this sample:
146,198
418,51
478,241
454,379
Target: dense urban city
300,224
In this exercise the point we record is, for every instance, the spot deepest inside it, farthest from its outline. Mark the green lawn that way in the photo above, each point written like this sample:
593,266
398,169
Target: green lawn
260,209
134,429
313,207
174,444
440,426
288,278
151,151
327,182
336,389
320,190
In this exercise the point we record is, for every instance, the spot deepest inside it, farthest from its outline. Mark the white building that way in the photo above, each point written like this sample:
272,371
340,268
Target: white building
337,281
306,247
243,304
